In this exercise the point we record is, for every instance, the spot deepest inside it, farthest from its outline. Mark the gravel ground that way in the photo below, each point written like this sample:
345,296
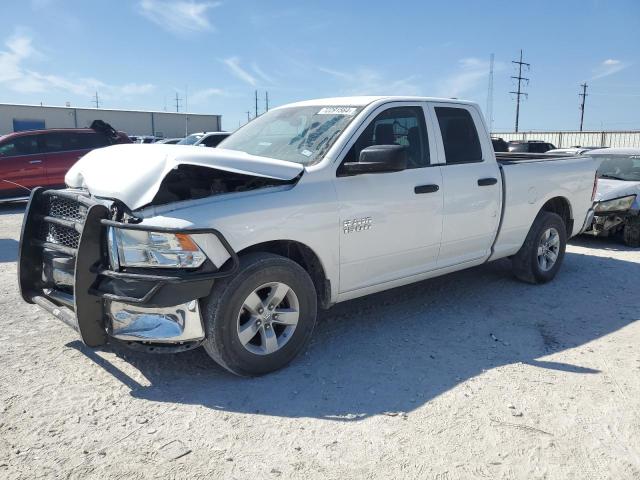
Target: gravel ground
472,375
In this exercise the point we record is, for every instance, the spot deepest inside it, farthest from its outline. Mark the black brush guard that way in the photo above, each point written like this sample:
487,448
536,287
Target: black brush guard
76,235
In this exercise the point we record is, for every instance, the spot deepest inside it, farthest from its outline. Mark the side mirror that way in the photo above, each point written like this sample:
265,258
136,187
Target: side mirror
378,159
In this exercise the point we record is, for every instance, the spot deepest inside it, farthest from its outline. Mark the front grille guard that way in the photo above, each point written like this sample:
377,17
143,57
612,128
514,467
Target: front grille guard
84,309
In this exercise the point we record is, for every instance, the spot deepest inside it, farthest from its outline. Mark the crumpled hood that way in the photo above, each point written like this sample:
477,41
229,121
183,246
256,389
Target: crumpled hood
132,173
609,189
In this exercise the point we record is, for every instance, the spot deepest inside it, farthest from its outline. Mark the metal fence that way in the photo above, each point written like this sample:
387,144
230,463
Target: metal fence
583,139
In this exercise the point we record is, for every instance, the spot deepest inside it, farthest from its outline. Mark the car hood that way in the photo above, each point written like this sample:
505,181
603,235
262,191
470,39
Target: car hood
609,189
133,173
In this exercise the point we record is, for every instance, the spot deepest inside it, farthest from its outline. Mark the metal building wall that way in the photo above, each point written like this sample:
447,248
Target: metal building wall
129,121
584,139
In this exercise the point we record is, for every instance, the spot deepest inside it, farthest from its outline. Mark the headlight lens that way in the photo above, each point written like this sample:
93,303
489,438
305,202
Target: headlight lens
139,248
616,205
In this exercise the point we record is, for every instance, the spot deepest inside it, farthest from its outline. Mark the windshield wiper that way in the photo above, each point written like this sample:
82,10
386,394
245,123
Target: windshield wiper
612,177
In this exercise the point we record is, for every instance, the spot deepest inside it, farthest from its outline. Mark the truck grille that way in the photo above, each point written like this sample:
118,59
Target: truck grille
59,235
64,209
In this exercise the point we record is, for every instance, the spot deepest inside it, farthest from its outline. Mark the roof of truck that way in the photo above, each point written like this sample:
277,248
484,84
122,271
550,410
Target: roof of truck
361,101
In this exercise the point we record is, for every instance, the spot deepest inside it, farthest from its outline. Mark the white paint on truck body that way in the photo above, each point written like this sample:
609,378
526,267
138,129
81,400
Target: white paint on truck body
410,237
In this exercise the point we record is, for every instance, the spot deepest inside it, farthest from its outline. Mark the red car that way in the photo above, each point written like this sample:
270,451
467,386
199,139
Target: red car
42,157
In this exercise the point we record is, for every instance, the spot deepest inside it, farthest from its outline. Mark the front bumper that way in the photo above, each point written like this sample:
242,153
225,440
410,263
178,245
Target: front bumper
64,268
609,223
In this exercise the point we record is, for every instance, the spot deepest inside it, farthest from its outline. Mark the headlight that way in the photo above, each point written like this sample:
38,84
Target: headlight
140,248
616,205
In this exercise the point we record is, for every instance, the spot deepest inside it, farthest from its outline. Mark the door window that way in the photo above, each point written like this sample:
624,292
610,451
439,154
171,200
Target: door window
396,126
213,140
459,135
19,146
67,141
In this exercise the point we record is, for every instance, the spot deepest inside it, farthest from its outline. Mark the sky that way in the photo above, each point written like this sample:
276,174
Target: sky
138,54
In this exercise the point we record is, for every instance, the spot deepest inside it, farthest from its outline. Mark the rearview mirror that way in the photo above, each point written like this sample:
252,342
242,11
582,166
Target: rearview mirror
378,159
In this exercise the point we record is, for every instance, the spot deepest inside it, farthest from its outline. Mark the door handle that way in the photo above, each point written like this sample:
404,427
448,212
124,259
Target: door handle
33,162
426,188
484,182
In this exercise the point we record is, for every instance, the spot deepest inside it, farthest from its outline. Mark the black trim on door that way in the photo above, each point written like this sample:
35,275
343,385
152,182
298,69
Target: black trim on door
484,182
426,189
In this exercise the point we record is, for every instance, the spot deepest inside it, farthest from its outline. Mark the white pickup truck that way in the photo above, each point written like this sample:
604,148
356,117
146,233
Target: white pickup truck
168,247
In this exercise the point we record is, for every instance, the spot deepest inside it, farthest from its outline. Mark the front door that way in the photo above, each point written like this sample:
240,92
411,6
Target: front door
390,223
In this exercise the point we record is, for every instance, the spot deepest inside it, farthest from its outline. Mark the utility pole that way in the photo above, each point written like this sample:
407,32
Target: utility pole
96,101
584,97
519,93
248,116
266,101
256,104
178,99
490,95
186,111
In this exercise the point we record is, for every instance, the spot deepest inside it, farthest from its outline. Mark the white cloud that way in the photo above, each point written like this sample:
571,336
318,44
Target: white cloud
470,75
367,81
233,64
18,78
609,67
258,71
204,95
179,17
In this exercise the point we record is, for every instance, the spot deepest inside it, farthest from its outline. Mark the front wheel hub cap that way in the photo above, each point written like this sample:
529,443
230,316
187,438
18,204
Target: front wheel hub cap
268,318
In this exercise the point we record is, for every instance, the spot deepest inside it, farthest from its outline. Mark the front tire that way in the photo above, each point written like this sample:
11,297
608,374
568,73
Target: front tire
258,320
541,255
631,233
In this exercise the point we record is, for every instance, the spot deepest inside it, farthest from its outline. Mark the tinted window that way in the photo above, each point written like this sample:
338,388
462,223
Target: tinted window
27,145
213,140
518,147
459,135
396,126
499,145
537,147
66,141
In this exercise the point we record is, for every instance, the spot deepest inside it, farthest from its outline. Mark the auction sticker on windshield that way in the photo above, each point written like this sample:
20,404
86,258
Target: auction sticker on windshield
338,111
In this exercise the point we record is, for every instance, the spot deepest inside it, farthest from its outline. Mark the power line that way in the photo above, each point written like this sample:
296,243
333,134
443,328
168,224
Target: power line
490,95
520,93
584,97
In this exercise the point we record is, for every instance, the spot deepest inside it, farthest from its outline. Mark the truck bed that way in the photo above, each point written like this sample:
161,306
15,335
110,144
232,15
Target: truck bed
506,158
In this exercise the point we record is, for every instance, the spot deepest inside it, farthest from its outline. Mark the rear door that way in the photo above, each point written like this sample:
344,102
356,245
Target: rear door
390,223
22,166
66,148
471,185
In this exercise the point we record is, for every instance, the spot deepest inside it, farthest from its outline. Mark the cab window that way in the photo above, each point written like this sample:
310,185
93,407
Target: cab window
396,126
459,135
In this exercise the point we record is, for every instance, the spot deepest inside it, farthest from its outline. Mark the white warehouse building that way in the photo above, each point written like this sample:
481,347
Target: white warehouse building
15,118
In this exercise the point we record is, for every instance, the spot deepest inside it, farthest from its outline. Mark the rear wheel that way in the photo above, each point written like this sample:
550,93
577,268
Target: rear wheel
541,255
258,320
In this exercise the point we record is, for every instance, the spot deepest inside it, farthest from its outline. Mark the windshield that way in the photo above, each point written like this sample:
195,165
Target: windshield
191,139
297,134
620,167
